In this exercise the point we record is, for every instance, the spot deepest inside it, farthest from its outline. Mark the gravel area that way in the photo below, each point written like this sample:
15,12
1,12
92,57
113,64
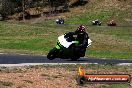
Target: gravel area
49,77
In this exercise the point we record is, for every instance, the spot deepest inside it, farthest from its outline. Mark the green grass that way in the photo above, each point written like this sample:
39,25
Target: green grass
107,42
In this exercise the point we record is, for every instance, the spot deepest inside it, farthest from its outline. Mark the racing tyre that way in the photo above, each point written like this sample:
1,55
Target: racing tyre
74,58
52,54
99,24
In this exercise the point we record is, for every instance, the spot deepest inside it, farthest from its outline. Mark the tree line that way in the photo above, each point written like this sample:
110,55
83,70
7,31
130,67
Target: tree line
9,7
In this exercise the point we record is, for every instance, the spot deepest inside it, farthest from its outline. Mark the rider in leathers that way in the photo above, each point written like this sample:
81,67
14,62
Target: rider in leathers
82,37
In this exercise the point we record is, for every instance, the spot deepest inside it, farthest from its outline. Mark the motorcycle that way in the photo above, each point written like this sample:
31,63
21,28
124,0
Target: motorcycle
111,24
62,49
96,23
59,21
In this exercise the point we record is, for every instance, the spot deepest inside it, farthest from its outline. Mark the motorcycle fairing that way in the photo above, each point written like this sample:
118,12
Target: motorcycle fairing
66,44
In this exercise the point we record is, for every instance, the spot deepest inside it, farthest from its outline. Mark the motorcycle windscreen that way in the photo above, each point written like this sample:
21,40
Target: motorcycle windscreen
63,41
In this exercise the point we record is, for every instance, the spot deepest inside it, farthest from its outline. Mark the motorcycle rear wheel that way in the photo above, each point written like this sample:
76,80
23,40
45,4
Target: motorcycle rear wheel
74,58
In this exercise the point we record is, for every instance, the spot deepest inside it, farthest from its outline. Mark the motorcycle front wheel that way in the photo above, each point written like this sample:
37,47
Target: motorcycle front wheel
52,54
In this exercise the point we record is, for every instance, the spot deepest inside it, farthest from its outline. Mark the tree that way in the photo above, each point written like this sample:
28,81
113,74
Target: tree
6,8
57,3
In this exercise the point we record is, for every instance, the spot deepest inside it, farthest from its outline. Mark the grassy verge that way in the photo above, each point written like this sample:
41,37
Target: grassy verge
109,42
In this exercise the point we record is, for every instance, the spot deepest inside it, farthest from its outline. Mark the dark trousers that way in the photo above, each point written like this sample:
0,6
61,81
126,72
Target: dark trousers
80,51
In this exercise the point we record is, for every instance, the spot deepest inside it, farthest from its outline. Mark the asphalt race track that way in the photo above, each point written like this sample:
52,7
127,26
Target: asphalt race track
18,59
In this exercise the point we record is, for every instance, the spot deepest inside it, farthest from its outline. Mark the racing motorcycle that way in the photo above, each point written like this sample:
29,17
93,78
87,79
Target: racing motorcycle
62,49
96,23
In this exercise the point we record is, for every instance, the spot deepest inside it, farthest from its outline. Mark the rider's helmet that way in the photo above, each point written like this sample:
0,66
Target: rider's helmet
80,29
